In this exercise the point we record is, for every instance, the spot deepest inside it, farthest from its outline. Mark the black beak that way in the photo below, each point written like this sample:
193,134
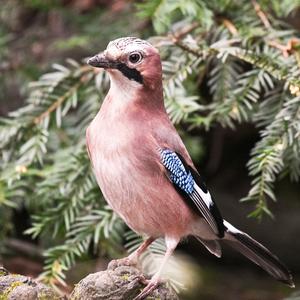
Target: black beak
100,61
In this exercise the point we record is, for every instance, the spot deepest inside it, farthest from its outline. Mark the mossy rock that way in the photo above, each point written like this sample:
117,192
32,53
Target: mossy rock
117,283
18,287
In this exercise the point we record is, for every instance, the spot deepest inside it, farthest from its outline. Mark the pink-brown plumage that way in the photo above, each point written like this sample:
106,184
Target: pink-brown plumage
125,142
129,171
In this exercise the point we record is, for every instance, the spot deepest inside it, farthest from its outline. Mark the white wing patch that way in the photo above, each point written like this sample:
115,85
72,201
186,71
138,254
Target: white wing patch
206,197
231,228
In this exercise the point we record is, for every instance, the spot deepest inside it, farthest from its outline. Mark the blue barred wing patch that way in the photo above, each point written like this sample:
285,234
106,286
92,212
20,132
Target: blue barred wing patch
189,184
177,173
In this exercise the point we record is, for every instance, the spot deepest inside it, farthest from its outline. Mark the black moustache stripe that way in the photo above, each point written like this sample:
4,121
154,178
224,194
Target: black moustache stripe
132,74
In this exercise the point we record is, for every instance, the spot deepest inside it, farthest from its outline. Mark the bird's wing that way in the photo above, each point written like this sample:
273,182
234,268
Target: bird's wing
189,184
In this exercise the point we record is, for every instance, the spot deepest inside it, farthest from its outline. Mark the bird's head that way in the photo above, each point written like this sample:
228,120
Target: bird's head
131,62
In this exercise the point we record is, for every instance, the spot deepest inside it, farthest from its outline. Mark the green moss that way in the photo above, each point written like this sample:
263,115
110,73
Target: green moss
42,296
7,292
46,296
3,272
125,277
75,294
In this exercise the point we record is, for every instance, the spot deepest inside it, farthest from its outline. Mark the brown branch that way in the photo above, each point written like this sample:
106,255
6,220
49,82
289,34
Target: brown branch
230,26
263,17
186,30
62,98
285,49
185,47
178,36
25,248
57,103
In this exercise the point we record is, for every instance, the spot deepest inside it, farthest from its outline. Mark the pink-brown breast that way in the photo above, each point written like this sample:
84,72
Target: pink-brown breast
126,160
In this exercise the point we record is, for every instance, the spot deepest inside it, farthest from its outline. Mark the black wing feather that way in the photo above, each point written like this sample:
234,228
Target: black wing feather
191,187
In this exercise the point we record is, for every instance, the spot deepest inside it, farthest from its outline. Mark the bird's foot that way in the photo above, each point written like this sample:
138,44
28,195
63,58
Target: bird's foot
126,261
149,288
30,281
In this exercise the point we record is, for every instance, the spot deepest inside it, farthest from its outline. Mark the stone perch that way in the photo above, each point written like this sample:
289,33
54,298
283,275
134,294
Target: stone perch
19,287
118,282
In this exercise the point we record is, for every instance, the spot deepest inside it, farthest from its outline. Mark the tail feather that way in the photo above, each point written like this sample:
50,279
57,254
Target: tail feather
257,253
213,246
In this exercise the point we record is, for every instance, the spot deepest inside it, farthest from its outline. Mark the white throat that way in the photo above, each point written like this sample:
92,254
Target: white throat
121,88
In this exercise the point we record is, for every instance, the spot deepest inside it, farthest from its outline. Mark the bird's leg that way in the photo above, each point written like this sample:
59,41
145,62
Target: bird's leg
132,259
155,280
134,256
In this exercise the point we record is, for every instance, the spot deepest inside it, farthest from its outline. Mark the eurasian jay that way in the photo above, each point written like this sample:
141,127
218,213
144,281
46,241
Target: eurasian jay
144,170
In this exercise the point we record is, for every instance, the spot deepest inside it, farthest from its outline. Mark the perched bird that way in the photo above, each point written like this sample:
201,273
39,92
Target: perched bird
144,170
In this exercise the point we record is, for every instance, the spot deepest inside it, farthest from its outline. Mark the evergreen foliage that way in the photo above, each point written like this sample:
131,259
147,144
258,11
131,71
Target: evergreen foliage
225,62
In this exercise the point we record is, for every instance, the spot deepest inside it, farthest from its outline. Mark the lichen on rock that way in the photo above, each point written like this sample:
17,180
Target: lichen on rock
118,282
19,287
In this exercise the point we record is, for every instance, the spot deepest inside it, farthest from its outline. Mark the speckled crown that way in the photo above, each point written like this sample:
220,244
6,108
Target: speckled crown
122,43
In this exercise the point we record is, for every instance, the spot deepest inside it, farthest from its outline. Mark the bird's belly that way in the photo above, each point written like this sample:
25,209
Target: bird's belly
146,201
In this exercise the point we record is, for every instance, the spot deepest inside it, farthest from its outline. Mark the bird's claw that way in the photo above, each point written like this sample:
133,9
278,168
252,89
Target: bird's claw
126,261
150,287
143,280
30,281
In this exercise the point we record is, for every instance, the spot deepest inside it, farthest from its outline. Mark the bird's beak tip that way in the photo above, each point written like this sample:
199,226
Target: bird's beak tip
93,61
100,61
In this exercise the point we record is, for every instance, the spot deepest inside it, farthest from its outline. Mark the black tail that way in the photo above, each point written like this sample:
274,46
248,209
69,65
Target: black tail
256,252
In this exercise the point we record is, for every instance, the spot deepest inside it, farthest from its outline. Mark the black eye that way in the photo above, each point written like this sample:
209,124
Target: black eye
135,57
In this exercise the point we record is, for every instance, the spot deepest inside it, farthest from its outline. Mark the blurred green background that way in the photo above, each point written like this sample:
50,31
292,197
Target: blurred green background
230,107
